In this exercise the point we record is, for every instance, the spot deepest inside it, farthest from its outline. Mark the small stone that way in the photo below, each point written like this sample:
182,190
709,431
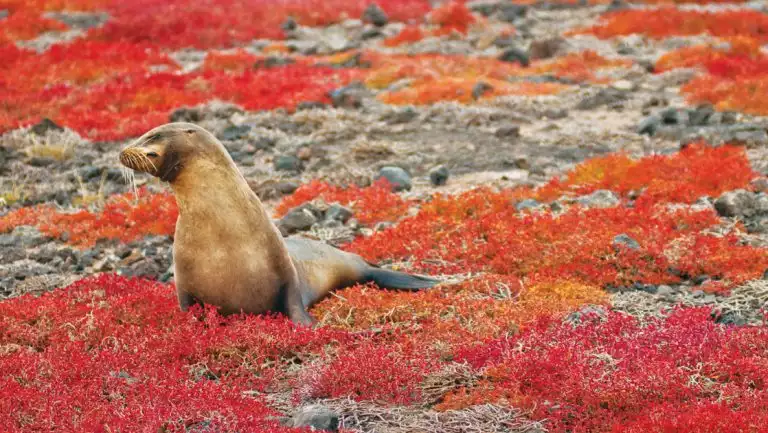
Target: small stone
316,417
484,7
664,290
510,12
288,163
310,105
733,318
594,312
372,33
337,212
509,131
289,25
555,113
515,55
350,96
405,115
603,97
599,199
44,126
439,175
700,279
480,89
624,85
528,204
739,203
626,241
186,114
297,219
235,132
545,48
375,15
41,161
399,178
674,116
649,125
700,115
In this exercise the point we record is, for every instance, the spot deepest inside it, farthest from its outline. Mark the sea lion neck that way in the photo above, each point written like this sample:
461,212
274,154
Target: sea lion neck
209,188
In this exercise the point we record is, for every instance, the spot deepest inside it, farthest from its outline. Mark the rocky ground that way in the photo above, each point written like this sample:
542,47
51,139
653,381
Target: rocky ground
446,147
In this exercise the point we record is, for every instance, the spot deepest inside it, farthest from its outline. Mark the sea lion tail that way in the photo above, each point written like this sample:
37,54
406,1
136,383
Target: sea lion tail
387,279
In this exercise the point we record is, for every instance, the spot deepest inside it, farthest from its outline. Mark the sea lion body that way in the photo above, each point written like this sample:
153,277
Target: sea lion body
227,252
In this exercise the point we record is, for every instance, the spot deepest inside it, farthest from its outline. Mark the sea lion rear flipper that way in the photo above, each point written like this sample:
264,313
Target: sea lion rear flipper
387,279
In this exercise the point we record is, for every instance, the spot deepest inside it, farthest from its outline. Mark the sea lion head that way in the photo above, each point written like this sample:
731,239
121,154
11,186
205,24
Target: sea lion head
165,150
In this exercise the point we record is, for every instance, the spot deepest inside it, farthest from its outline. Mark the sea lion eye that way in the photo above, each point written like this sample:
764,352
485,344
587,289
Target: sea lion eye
152,154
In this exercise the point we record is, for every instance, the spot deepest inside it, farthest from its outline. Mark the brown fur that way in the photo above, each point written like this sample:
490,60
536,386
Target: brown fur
227,252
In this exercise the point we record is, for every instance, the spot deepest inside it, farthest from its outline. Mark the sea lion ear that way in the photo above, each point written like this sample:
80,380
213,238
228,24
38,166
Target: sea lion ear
190,131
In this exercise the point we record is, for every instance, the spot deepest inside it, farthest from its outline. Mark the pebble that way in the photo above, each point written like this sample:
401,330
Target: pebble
399,178
234,132
41,161
546,48
439,175
480,89
603,97
44,126
288,163
337,212
738,203
350,96
375,15
527,204
510,12
515,55
601,198
297,219
508,131
625,240
624,85
316,417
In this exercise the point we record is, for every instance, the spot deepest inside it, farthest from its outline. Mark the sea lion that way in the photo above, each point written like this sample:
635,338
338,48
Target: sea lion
227,251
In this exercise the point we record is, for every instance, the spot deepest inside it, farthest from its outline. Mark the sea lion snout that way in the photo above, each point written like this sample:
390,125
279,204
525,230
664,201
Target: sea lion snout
145,159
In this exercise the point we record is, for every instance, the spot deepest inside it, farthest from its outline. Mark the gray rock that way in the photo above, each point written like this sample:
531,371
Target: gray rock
515,55
607,96
25,236
44,126
316,417
41,161
439,175
399,178
3,13
289,25
674,116
375,15
700,115
484,7
337,212
664,290
738,203
12,254
310,105
405,115
480,89
288,163
297,219
626,241
555,113
235,132
350,96
649,125
508,131
599,199
527,204
733,318
590,311
546,48
510,12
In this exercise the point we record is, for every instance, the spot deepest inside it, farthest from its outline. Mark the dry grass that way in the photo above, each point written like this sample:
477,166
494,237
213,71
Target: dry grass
14,194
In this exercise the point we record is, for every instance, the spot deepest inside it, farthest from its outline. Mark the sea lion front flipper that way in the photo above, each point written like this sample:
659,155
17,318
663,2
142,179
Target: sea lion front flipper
185,299
387,279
